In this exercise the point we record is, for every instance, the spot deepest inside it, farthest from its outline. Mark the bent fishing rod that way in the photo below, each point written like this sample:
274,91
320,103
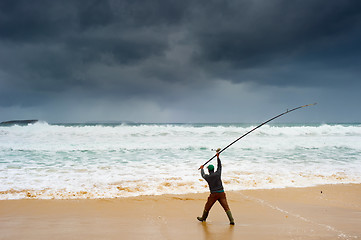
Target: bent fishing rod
288,111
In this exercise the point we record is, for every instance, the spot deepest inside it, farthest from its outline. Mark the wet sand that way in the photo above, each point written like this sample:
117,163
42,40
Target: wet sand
322,212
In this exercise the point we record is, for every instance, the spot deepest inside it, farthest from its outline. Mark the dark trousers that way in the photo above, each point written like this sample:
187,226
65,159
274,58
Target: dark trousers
220,197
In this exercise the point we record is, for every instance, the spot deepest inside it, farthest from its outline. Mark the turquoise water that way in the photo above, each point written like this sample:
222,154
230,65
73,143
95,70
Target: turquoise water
119,160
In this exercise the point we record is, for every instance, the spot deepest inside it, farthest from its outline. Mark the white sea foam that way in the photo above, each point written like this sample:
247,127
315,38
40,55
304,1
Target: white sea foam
94,161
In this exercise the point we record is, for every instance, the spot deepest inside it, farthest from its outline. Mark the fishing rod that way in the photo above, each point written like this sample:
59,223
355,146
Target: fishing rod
288,111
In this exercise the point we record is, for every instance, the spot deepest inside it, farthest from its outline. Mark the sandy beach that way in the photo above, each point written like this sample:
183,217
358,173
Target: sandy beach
322,212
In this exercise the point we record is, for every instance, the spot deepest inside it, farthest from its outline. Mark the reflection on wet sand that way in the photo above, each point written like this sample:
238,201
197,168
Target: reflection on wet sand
217,231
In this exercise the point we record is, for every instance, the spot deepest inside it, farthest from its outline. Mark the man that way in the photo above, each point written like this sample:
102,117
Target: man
217,192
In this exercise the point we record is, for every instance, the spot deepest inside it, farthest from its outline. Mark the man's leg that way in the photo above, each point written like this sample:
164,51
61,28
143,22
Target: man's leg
211,200
223,201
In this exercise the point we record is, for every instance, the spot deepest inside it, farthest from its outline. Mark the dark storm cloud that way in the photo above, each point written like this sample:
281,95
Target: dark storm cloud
265,28
157,48
255,34
50,46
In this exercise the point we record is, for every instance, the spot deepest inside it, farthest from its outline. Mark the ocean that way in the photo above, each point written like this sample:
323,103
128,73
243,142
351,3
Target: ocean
78,161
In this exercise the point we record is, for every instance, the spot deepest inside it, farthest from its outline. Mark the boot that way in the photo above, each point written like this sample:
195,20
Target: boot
204,216
231,220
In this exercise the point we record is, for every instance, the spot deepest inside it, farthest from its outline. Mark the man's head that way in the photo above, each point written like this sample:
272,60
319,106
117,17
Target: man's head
210,168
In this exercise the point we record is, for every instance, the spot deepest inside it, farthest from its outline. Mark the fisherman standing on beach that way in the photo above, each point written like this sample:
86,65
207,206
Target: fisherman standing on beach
217,192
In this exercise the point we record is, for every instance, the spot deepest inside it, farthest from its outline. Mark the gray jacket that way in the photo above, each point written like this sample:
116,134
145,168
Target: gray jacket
214,178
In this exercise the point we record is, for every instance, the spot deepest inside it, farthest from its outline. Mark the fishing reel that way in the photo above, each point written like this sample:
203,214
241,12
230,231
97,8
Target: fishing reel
217,150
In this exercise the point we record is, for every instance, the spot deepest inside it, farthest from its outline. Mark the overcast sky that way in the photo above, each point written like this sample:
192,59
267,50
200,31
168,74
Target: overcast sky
180,61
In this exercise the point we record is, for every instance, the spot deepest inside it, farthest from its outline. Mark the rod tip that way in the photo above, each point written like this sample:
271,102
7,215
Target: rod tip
312,104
